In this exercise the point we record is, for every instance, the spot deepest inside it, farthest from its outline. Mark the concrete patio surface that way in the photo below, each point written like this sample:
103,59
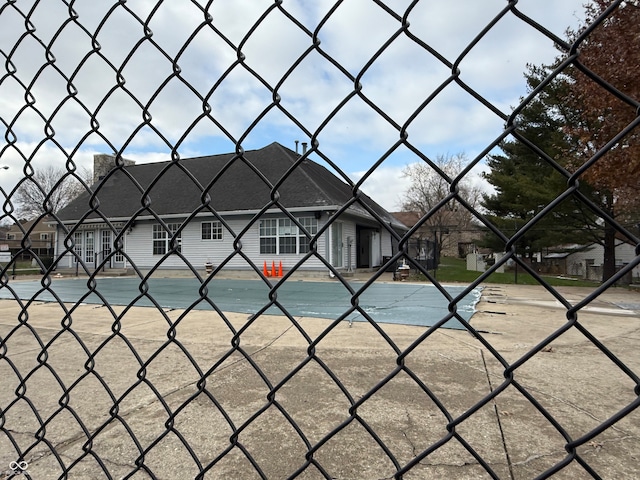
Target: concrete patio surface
132,388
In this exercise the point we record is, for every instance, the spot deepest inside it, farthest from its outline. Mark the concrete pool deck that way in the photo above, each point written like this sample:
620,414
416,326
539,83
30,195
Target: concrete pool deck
570,378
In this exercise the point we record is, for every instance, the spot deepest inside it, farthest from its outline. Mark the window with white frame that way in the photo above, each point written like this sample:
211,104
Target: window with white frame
119,257
211,230
280,236
268,235
77,246
44,236
287,236
311,226
162,238
89,247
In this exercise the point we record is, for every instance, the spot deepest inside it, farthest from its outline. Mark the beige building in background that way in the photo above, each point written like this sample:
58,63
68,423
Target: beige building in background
41,238
458,239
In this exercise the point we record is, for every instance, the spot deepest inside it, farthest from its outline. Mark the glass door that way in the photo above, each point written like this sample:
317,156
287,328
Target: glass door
337,246
105,248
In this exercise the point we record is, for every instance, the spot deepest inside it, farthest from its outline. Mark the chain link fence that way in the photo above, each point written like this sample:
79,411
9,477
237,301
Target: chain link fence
201,393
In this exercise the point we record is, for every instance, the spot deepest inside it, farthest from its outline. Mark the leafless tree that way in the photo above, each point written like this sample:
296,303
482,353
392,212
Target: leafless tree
48,190
428,187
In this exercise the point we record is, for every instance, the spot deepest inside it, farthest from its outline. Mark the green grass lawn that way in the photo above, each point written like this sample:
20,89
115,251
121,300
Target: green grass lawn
455,270
23,267
450,270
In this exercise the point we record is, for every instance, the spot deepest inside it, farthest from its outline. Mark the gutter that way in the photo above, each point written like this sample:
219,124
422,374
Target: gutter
329,209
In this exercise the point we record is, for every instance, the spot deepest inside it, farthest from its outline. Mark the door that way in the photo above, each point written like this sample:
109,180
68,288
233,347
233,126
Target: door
77,249
118,258
364,249
89,248
376,249
105,248
369,248
337,246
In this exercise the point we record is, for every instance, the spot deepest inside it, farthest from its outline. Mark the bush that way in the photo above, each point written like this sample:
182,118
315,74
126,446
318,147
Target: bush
47,261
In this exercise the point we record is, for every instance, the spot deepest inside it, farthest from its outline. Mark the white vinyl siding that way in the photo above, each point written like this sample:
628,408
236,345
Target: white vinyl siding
577,262
198,252
348,231
385,243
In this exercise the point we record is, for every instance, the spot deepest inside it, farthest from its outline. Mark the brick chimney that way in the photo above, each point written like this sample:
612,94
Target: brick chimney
103,163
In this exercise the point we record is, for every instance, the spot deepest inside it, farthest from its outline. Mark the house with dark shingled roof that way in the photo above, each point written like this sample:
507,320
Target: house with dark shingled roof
266,205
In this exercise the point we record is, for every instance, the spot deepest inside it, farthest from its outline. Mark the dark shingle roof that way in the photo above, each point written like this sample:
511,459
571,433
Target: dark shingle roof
237,186
407,218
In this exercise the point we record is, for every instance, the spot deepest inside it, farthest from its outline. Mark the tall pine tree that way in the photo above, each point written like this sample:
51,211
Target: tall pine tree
526,176
573,119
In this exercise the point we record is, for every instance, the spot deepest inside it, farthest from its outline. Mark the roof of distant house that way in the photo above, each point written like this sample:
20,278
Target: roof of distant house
407,218
37,224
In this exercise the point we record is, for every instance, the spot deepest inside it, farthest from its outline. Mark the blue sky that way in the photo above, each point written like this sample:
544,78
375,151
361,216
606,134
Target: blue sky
356,136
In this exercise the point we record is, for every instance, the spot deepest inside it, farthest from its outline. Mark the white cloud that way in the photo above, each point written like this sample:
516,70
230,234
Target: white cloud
399,81
387,184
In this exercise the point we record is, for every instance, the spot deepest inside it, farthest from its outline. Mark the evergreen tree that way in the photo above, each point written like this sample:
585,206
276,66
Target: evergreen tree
527,176
572,120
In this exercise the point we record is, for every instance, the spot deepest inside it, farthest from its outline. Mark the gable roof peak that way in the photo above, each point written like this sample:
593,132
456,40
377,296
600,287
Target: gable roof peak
233,183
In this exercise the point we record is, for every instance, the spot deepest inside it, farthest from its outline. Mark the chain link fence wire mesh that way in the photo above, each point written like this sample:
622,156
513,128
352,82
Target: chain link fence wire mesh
94,393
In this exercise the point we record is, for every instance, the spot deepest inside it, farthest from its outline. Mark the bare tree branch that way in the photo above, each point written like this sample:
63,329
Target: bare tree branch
428,188
49,190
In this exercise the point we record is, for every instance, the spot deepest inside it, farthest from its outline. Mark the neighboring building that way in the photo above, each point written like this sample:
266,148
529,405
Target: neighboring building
240,216
458,239
585,261
41,238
